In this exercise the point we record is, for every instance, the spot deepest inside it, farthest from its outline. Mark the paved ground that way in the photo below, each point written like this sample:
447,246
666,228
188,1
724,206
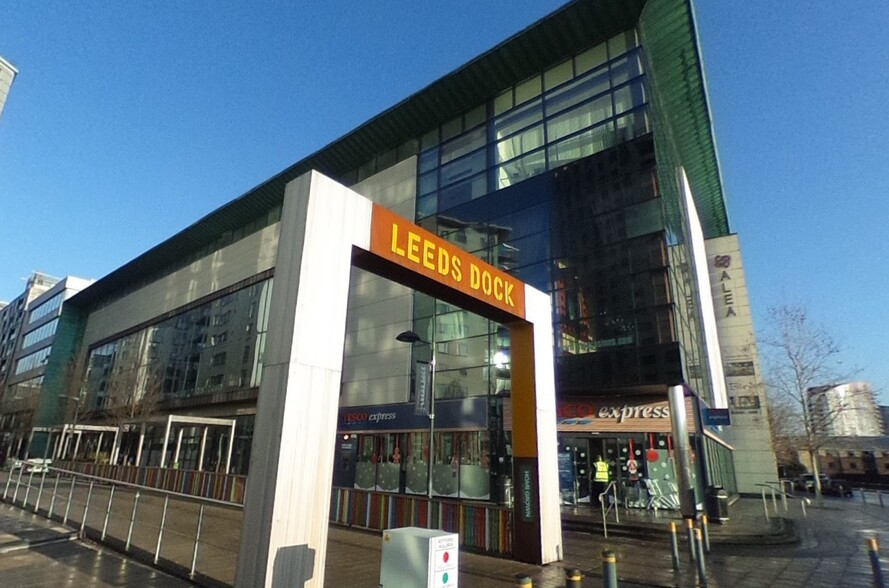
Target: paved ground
747,552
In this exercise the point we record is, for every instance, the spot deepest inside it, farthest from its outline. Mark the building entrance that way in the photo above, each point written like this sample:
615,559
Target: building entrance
641,465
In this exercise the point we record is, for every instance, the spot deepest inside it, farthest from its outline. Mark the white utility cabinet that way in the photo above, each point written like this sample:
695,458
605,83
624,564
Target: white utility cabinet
419,558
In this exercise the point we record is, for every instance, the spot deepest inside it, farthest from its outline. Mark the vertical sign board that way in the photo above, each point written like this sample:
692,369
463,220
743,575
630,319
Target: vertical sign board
527,493
424,381
444,552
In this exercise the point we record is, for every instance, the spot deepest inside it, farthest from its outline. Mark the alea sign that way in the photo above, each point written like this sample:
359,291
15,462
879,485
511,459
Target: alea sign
418,250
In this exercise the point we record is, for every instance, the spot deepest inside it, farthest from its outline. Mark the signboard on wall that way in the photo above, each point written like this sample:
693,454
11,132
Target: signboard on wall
462,413
617,414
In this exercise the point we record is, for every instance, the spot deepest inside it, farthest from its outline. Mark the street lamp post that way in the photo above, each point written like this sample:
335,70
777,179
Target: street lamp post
411,338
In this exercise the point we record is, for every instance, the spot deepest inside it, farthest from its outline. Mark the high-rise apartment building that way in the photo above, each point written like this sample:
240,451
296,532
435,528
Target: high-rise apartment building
7,75
845,410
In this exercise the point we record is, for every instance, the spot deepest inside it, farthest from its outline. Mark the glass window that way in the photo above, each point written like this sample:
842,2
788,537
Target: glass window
632,125
463,168
520,169
46,307
621,43
503,102
475,117
428,160
591,58
518,119
579,118
520,143
629,96
626,68
527,90
576,92
452,128
463,192
462,145
427,205
558,75
41,333
430,139
428,182
586,143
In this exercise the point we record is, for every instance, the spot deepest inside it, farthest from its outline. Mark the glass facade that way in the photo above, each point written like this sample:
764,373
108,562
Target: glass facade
46,308
39,334
214,347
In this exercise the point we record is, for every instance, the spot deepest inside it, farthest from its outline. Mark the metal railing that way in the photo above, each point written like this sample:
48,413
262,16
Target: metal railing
771,488
140,521
612,487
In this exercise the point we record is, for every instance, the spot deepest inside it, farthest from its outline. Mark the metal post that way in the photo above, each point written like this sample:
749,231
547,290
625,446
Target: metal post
178,447
231,446
166,442
52,502
873,550
28,489
774,501
702,566
802,504
609,569
18,482
107,512
197,540
690,532
679,422
765,504
705,530
78,435
8,481
40,492
99,446
160,531
203,448
784,498
674,545
68,506
573,578
132,521
141,443
86,508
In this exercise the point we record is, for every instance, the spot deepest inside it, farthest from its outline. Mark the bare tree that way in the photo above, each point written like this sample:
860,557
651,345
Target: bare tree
800,356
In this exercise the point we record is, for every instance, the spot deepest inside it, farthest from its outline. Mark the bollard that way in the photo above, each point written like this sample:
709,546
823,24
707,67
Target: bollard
609,569
702,566
705,529
873,549
523,581
802,504
674,545
690,532
573,578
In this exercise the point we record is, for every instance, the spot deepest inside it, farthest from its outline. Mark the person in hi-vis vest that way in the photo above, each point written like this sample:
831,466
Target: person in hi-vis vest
600,479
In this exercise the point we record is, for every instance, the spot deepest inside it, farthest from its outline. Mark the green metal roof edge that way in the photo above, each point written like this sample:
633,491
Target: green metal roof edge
677,74
570,29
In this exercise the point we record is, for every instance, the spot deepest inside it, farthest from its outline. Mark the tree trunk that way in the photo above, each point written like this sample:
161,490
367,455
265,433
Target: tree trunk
819,495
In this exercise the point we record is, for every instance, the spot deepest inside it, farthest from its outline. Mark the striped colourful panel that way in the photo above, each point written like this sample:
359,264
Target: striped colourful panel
483,528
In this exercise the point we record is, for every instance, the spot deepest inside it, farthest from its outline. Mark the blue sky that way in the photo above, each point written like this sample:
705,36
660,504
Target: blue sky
129,121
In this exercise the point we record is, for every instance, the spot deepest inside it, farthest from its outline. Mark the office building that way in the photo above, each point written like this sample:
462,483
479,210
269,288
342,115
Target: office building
578,156
27,331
